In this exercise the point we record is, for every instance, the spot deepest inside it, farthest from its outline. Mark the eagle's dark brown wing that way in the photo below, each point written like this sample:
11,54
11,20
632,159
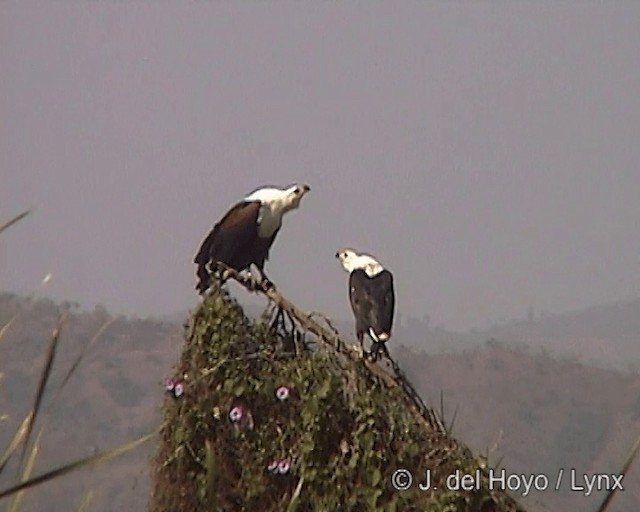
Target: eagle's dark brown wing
372,301
231,241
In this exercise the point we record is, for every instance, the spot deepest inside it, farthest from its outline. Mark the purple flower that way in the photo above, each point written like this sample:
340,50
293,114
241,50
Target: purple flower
178,389
282,393
273,466
284,466
236,414
170,384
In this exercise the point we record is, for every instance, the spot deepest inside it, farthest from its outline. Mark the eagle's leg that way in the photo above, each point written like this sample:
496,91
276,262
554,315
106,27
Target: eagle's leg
379,347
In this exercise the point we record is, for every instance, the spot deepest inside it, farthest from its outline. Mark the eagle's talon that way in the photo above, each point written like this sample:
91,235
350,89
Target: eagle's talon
251,283
267,284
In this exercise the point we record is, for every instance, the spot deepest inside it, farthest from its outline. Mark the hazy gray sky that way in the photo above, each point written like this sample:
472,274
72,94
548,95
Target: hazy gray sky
488,153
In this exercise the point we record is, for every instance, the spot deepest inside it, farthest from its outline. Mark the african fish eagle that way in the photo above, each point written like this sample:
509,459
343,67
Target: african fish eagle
372,298
246,233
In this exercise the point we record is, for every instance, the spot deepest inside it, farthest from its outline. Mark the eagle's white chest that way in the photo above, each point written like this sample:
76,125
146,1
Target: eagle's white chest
269,220
373,269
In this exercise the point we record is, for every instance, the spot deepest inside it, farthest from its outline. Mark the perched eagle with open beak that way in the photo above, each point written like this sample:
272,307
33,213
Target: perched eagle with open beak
372,298
246,233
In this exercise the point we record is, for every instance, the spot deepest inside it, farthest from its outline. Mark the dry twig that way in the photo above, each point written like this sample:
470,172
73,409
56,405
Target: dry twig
396,379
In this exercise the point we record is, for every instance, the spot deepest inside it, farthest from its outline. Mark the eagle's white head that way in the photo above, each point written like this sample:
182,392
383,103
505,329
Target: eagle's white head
275,202
293,195
280,200
351,261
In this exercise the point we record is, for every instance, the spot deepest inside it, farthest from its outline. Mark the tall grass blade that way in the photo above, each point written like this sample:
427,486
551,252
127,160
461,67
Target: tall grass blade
14,220
44,378
293,504
15,442
14,504
6,326
79,464
81,356
85,501
625,469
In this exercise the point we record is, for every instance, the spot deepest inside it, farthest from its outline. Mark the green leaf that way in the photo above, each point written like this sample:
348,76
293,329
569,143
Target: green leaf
239,390
372,498
74,466
375,477
323,390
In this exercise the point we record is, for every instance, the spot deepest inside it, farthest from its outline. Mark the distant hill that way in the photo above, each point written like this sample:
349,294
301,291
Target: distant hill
606,336
114,396
553,410
543,413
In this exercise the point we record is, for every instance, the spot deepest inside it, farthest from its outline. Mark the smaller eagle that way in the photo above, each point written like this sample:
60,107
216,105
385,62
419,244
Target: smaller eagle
372,298
246,233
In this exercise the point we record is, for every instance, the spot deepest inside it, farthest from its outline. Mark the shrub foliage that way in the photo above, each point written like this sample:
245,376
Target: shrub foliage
265,420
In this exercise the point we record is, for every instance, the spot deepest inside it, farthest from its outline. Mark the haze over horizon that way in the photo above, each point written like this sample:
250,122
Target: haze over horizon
486,153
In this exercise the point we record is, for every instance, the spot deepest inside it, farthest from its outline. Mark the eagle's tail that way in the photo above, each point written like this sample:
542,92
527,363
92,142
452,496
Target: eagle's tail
203,274
204,279
202,260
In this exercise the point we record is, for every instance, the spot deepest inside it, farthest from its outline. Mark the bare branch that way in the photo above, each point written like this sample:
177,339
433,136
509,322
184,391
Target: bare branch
424,414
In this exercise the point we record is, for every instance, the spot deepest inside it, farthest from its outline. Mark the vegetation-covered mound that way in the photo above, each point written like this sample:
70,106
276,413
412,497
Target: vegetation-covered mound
256,420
